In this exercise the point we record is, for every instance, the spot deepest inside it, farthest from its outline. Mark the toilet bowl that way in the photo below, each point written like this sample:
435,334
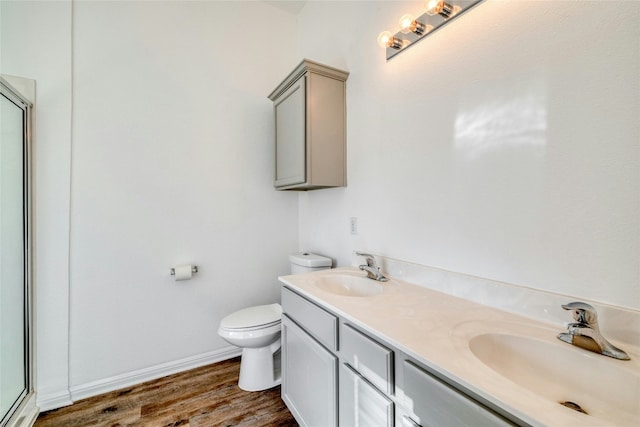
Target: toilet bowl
257,331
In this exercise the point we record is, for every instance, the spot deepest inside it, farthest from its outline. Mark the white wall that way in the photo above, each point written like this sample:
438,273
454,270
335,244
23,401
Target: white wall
35,43
506,145
173,163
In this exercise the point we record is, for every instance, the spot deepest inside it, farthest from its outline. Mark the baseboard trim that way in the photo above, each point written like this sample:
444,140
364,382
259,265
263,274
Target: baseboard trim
49,401
94,388
117,382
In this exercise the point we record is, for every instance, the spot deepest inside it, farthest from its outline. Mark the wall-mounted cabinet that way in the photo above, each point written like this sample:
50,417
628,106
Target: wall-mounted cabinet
310,124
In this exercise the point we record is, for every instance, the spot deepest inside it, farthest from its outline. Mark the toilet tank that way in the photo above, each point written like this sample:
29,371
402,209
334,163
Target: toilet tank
305,262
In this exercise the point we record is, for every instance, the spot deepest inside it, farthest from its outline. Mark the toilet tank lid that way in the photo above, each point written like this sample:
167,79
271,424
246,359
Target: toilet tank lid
307,259
252,317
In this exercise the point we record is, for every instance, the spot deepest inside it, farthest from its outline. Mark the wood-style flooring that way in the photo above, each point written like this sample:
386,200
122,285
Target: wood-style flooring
204,397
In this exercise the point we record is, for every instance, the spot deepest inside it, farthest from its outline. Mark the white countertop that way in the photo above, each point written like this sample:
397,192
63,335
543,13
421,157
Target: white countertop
435,328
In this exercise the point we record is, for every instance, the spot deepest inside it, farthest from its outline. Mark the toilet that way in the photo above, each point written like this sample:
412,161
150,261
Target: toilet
257,331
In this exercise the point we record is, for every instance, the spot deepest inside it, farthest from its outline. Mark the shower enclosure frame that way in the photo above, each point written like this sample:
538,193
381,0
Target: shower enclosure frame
24,411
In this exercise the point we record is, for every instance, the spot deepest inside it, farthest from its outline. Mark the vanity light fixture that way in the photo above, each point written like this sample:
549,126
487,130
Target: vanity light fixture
412,29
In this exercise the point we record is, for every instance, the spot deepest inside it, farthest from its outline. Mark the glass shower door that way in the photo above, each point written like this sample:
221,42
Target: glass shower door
14,315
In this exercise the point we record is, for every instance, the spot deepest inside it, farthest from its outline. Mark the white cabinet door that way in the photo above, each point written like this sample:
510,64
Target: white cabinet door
309,379
290,110
361,404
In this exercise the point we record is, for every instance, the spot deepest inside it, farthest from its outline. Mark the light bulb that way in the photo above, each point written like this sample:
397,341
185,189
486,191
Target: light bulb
442,8
409,24
406,21
432,6
386,39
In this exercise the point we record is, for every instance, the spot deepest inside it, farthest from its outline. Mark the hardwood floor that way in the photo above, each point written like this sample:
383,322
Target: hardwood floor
204,397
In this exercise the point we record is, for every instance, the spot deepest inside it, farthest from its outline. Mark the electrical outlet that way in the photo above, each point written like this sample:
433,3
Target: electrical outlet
353,225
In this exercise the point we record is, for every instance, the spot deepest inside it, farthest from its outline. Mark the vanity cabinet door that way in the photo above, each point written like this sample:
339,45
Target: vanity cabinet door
309,378
361,404
437,404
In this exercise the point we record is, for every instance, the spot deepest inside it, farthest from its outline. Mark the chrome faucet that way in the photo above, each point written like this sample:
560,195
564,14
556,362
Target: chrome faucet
372,269
585,333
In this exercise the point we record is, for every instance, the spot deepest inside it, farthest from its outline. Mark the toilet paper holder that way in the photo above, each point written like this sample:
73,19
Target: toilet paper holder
194,269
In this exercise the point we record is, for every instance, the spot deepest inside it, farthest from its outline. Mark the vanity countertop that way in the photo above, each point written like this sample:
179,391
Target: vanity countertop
435,328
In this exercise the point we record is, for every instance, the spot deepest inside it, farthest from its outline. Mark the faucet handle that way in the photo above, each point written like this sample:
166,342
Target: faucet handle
371,260
582,312
364,254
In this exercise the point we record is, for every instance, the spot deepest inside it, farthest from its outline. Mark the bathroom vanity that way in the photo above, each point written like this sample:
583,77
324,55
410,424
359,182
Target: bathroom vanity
356,352
310,123
334,373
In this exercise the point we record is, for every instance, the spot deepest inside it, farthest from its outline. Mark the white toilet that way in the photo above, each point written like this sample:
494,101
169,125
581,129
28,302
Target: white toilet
257,331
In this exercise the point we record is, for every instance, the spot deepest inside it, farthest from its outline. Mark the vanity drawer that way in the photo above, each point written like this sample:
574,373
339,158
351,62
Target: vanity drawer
436,403
315,320
371,359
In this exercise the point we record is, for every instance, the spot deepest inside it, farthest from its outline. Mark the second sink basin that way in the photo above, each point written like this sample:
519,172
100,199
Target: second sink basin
604,388
349,285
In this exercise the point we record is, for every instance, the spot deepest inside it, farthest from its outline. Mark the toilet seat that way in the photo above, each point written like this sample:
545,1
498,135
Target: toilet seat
249,336
252,318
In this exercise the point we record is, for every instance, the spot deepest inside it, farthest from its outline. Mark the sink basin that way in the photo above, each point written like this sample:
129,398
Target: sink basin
349,285
603,387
